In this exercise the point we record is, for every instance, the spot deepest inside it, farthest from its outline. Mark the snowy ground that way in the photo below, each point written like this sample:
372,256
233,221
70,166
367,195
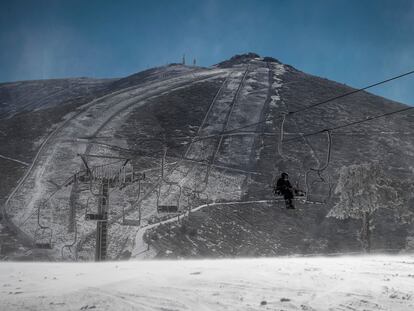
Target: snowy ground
335,283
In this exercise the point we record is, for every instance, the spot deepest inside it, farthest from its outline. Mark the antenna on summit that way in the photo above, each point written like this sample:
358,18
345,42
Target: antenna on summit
183,61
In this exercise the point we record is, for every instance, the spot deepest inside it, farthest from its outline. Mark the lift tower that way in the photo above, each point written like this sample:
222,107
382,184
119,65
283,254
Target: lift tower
106,176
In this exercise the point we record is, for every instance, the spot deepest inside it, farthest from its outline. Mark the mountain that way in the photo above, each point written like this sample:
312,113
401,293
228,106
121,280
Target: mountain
219,184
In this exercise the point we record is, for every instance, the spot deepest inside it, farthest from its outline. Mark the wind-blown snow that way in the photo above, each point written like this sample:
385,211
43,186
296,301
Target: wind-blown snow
336,283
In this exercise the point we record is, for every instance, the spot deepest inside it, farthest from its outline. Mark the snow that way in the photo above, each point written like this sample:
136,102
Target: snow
320,283
59,160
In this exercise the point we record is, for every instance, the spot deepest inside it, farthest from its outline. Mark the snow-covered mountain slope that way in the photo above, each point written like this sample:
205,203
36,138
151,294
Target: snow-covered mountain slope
220,183
337,283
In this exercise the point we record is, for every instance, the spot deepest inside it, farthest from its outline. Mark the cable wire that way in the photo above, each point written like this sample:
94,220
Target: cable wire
351,123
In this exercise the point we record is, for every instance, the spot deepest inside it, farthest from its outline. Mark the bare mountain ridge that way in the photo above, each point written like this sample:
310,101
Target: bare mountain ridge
177,103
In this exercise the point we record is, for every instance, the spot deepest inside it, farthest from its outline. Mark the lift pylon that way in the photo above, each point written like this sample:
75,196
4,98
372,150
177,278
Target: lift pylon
105,177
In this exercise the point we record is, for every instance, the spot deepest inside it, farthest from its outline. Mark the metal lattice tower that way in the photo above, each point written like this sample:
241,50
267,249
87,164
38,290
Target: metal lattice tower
105,177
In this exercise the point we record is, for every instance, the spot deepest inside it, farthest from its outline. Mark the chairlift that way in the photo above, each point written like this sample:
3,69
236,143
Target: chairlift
43,234
69,246
298,194
133,222
319,171
304,196
195,196
167,208
94,216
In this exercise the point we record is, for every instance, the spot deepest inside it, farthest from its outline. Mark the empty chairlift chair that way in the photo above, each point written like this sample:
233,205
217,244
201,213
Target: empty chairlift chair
43,234
172,206
169,207
133,222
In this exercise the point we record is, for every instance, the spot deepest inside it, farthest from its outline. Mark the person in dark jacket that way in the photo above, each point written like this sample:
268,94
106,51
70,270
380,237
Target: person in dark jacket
284,187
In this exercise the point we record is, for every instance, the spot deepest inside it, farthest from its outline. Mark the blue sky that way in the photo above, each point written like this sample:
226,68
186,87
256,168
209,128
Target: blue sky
353,42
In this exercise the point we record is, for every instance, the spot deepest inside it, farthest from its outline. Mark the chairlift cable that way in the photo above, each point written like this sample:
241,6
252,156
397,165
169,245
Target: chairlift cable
352,123
320,103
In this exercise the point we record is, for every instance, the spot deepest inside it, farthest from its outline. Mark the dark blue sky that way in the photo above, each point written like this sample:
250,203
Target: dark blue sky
354,42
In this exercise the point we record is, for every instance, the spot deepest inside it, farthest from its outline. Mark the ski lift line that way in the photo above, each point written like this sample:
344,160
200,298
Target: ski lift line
269,134
318,104
352,123
351,93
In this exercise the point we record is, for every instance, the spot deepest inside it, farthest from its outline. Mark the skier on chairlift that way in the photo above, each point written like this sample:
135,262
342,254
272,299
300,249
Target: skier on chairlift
284,187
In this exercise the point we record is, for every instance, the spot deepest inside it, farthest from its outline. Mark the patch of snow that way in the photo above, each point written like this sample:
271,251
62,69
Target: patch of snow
336,283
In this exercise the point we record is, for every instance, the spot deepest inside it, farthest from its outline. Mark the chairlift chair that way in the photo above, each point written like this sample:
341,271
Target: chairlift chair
92,216
43,234
319,170
306,194
129,222
43,238
167,208
69,246
133,222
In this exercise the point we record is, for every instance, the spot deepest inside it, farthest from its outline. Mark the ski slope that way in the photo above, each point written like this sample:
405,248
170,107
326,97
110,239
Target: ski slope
324,283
